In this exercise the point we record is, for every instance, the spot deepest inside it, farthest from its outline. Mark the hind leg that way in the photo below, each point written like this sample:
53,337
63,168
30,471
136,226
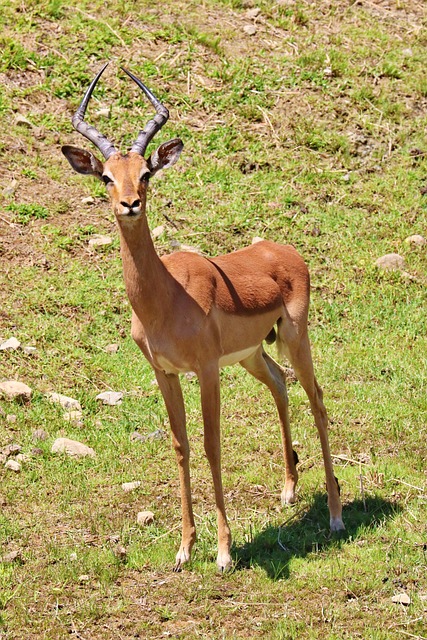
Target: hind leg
298,351
267,371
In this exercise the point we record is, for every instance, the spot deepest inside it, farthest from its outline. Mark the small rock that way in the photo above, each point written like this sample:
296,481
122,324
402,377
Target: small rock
402,598
14,390
36,451
10,345
12,556
252,13
88,200
11,418
64,401
416,239
328,72
120,552
13,466
111,398
158,434
408,53
145,517
190,375
104,113
72,448
130,486
249,29
22,121
100,241
112,348
390,262
83,578
256,239
11,450
157,231
11,188
22,457
72,416
29,350
73,556
40,434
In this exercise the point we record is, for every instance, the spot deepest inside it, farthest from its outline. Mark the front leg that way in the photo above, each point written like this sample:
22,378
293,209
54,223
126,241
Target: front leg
171,390
210,396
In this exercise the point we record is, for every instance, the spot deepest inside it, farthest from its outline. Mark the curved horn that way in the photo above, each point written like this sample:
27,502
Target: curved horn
89,132
153,126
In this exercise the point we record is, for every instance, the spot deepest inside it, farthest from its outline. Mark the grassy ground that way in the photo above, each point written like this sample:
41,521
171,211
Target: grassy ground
310,131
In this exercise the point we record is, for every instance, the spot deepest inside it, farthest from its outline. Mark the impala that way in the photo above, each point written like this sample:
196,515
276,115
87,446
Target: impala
192,313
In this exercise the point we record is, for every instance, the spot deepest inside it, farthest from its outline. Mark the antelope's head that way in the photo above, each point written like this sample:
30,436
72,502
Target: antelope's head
126,176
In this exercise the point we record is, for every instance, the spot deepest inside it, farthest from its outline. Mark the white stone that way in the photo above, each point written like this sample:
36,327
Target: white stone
29,350
14,390
252,13
416,239
100,241
145,517
112,348
157,231
130,486
256,239
10,345
64,401
391,262
13,466
72,448
401,598
72,416
88,200
249,29
111,398
40,434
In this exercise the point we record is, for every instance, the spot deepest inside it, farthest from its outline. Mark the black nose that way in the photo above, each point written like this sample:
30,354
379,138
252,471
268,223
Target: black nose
134,205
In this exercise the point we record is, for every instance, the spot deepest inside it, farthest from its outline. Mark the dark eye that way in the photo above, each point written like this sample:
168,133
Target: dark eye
145,177
106,179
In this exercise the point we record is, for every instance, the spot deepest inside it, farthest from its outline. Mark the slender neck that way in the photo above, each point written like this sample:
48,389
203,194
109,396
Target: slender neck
146,278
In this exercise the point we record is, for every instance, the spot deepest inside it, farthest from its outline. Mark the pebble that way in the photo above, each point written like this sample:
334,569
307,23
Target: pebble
10,345
12,556
11,450
64,401
73,416
401,598
112,348
111,398
416,239
100,241
249,29
83,578
14,390
157,231
390,262
145,517
11,418
104,112
72,448
13,466
130,486
120,552
256,239
40,434
23,122
88,200
252,13
30,351
158,434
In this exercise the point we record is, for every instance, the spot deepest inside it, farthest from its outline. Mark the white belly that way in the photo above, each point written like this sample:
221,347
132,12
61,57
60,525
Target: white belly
237,356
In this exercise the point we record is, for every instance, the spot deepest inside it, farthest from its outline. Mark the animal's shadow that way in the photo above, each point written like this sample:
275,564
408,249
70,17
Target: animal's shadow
306,532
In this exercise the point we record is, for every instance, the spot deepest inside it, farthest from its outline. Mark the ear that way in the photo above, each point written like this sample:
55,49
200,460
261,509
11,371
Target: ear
83,161
165,156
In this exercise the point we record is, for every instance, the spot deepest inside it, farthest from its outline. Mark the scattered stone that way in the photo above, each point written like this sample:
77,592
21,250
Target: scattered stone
130,486
40,434
73,416
29,350
73,556
88,200
72,448
104,113
36,451
100,241
10,345
83,578
417,240
249,29
22,458
64,401
402,598
158,434
11,450
13,466
190,375
112,348
111,398
11,418
252,13
11,188
391,262
145,517
14,390
408,53
256,239
328,72
12,556
120,552
157,231
23,122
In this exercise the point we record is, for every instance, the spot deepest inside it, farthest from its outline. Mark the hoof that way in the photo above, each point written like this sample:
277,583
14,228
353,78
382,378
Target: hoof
182,557
224,562
288,496
337,524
